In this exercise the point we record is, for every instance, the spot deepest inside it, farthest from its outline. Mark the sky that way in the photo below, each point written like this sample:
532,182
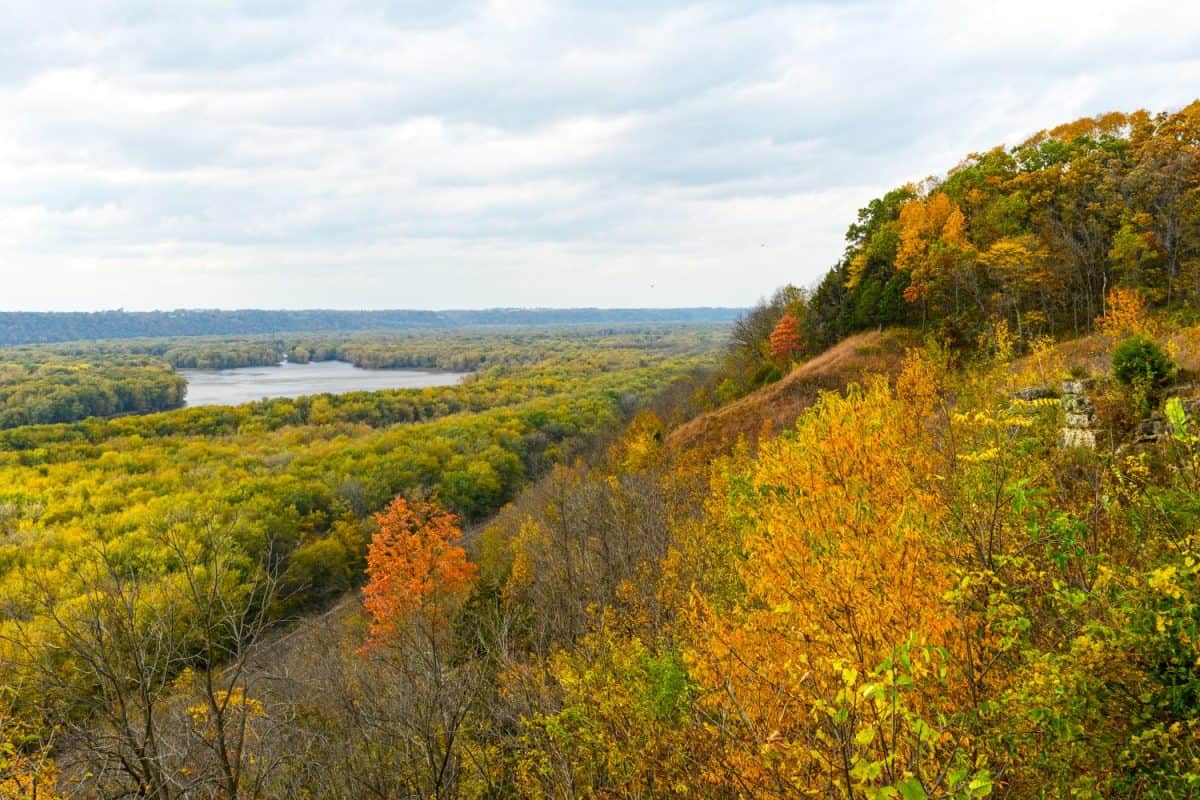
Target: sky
443,154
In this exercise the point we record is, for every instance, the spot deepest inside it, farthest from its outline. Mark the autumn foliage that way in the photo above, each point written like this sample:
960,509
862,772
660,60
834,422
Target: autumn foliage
879,576
415,567
1035,234
785,338
25,773
841,572
1125,314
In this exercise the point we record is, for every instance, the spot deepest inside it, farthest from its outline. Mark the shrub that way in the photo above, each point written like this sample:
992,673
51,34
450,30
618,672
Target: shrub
767,373
1139,361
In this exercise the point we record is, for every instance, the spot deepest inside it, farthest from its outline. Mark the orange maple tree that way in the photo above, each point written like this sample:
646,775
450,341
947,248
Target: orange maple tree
785,339
415,567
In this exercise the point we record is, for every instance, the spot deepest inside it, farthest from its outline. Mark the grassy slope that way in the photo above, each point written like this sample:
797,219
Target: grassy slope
779,404
1094,353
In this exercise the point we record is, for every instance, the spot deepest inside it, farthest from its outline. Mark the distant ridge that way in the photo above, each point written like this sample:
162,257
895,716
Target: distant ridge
39,327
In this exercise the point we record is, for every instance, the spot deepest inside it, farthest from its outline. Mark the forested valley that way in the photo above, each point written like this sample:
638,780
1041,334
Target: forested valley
46,384
929,529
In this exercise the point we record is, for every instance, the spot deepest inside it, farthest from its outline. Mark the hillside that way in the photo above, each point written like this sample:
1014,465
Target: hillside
1034,235
775,407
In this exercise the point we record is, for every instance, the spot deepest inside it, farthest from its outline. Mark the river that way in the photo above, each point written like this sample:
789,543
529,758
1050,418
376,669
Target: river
229,387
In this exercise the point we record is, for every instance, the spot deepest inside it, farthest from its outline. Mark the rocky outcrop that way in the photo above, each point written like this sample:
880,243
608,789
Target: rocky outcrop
1035,393
1157,427
1079,416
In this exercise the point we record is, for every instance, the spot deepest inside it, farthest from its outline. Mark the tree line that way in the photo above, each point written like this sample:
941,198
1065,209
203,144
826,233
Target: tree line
27,327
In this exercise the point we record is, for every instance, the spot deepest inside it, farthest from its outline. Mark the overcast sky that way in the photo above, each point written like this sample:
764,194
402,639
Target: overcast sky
291,154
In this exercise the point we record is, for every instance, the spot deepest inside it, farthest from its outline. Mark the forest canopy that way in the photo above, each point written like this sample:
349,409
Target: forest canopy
1036,235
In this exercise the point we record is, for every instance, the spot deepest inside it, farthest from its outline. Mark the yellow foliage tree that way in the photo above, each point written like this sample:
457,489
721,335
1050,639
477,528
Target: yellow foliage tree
817,682
1125,314
1017,265
933,243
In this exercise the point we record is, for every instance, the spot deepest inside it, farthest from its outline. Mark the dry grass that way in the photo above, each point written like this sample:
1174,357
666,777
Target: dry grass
1186,346
776,407
1094,354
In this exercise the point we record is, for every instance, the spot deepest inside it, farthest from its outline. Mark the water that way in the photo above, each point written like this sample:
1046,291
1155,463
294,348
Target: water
229,387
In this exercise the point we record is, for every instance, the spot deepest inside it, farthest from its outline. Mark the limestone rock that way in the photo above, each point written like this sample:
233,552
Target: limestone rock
1077,437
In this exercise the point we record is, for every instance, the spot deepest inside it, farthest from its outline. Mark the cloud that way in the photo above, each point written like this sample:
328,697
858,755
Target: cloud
513,152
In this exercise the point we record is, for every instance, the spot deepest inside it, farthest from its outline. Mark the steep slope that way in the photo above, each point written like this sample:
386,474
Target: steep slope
779,404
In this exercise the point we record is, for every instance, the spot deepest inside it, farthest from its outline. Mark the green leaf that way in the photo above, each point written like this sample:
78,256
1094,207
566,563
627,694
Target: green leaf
911,789
1177,417
980,785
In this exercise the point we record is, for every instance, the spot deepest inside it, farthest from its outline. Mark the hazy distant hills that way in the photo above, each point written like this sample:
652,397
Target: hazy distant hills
20,327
